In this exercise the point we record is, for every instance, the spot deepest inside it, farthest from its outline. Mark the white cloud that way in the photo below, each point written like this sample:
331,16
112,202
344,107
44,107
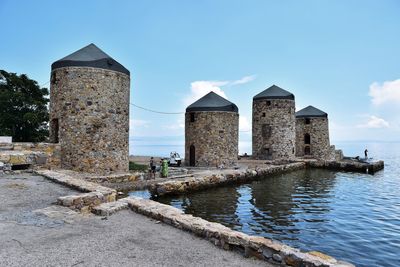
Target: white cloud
374,122
199,89
244,80
388,92
244,124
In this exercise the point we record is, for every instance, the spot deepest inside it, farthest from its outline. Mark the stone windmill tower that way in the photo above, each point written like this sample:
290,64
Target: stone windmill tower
274,131
89,111
312,133
211,132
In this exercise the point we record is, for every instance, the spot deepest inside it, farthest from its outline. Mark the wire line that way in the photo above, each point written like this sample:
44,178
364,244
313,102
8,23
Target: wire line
147,109
155,111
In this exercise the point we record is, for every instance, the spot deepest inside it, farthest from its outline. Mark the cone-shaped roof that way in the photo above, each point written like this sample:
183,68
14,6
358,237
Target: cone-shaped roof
274,92
90,56
212,102
311,112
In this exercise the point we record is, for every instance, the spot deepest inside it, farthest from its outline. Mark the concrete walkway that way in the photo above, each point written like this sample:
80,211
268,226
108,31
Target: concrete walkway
33,232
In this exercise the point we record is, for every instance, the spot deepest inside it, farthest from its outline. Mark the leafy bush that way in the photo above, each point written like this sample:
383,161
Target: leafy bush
137,167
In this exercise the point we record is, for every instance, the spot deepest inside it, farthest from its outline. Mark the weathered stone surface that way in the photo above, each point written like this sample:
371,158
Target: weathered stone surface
95,193
274,132
106,209
59,213
89,110
115,178
42,154
277,257
214,136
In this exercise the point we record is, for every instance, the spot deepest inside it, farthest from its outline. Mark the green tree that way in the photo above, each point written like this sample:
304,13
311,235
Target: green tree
23,108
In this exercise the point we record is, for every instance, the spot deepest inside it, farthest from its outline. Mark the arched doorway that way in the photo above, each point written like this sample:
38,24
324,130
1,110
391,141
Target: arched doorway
307,139
192,155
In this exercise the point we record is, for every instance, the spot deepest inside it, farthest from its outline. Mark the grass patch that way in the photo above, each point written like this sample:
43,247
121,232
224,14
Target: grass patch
137,167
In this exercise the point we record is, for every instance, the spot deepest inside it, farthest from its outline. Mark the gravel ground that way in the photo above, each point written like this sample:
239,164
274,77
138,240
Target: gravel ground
33,232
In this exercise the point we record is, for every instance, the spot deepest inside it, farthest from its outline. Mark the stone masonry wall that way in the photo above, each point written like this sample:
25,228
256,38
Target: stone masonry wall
92,109
214,136
274,129
318,130
41,154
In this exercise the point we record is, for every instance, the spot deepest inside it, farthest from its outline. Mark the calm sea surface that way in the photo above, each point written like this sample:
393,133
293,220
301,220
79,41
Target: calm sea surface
351,216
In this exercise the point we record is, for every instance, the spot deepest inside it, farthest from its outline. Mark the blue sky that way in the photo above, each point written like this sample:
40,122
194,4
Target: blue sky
340,56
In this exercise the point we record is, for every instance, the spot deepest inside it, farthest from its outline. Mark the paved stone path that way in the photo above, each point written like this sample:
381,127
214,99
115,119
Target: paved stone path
33,232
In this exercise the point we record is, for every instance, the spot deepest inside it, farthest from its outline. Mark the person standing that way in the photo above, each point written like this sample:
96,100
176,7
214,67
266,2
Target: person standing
152,168
366,153
164,168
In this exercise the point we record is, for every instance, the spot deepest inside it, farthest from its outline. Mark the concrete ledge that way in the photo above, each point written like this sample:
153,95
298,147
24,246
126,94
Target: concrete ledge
95,194
221,236
228,176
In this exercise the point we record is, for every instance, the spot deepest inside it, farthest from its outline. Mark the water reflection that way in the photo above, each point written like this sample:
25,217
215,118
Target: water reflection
285,204
214,205
280,206
351,216
277,207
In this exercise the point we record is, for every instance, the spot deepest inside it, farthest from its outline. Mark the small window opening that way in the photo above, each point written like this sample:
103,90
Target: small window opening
307,139
263,114
268,103
308,121
192,118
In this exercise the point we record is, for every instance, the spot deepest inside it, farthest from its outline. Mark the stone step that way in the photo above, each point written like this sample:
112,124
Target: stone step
107,209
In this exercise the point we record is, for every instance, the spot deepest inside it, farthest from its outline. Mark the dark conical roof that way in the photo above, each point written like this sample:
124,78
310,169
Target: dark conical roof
90,56
212,102
311,112
274,92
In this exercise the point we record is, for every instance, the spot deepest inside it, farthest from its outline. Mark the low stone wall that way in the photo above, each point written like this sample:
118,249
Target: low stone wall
221,236
95,193
44,154
104,179
348,165
225,177
116,178
119,181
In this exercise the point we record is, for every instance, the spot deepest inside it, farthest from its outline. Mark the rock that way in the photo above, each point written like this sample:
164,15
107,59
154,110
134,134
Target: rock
277,257
321,255
267,253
